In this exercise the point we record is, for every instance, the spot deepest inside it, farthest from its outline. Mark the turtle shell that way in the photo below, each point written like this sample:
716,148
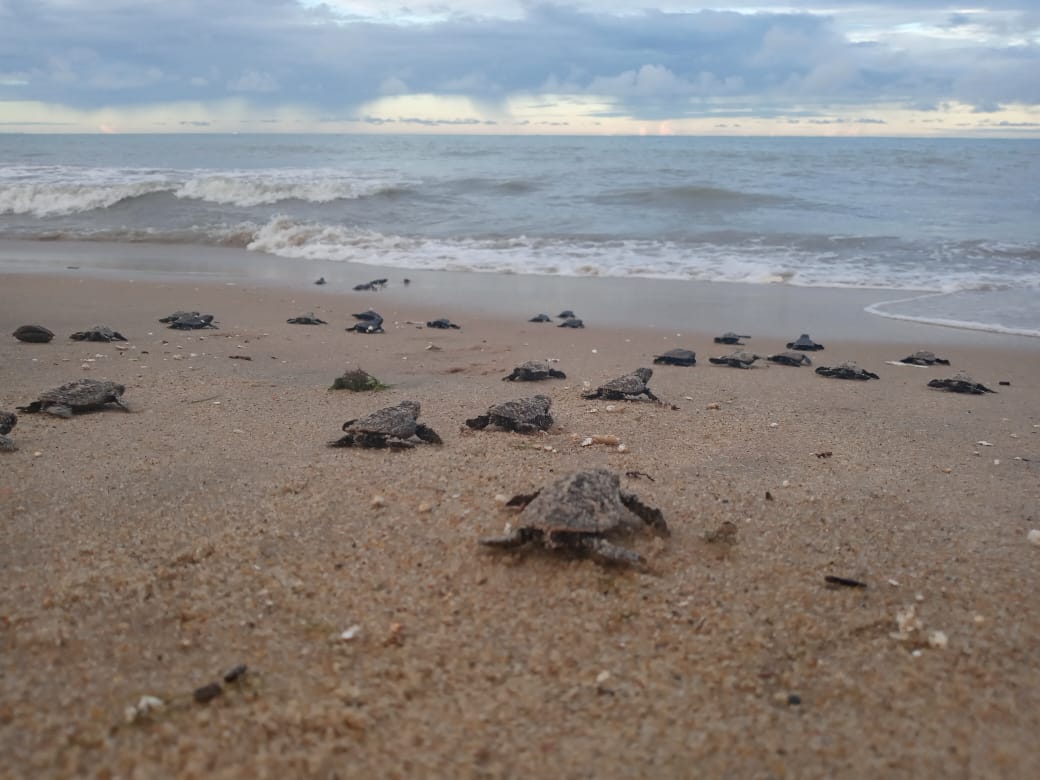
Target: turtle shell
582,502
398,421
83,393
34,334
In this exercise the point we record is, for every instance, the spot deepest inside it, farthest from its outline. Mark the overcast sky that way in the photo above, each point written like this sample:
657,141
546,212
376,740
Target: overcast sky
509,66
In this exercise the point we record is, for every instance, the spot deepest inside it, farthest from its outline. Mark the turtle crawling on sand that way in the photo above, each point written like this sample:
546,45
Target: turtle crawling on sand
540,318
677,357
442,324
630,387
790,358
534,371
804,343
846,370
566,314
80,395
924,358
98,333
523,415
393,426
961,383
571,322
33,334
576,513
193,321
367,322
729,337
306,319
7,421
739,359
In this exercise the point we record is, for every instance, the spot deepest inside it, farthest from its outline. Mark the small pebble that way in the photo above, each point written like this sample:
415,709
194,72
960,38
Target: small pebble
350,634
207,693
938,640
1034,536
714,405
425,508
378,501
774,425
502,498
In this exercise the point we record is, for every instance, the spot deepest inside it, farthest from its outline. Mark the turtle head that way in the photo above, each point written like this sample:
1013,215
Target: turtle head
644,374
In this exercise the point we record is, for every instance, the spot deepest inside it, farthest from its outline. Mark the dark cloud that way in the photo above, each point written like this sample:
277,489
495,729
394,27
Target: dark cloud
652,64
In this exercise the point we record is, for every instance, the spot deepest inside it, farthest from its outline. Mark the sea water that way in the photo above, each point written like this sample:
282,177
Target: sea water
946,230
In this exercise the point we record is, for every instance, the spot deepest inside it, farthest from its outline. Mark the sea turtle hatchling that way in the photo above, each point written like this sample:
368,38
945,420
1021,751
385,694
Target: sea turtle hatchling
395,427
540,318
80,395
630,387
566,314
192,321
571,322
577,513
729,337
790,358
7,421
846,370
739,359
924,358
523,415
961,383
98,333
33,334
534,371
804,343
306,319
367,322
677,357
442,324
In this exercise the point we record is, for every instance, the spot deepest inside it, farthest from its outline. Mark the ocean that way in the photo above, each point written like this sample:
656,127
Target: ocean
947,231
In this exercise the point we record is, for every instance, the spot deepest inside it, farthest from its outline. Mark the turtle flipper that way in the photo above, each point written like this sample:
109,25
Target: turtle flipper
512,377
479,423
650,515
33,408
605,551
343,441
427,434
554,374
59,410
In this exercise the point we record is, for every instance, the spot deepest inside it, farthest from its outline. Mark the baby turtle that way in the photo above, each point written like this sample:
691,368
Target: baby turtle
804,343
629,387
321,280
392,426
846,370
729,337
961,383
571,322
924,358
566,314
739,359
33,334
367,322
677,357
540,318
7,421
80,395
442,324
177,315
524,415
534,371
98,333
576,513
193,321
790,358
375,284
306,319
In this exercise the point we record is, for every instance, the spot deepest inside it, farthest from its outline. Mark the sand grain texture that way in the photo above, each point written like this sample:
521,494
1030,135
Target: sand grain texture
147,553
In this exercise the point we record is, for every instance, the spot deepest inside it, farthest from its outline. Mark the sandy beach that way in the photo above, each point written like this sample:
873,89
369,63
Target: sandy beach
148,553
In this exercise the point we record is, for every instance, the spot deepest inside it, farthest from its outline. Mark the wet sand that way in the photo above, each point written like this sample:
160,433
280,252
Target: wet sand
146,554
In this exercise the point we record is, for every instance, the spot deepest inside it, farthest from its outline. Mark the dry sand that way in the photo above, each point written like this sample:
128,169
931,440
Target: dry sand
146,554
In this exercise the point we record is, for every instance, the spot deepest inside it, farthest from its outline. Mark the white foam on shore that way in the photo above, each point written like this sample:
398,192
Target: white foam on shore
946,322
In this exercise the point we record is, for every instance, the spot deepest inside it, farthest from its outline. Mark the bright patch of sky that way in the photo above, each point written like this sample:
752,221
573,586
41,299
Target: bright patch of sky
521,66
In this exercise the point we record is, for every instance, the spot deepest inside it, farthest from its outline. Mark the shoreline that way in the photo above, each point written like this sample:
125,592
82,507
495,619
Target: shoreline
703,307
148,553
